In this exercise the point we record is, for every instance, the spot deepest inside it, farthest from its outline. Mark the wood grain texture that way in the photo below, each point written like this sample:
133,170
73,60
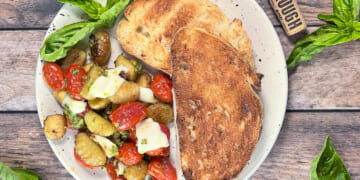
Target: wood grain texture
329,81
27,14
19,53
23,145
301,139
39,13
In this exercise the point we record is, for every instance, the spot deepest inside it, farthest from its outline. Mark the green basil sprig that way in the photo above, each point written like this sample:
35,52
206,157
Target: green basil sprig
328,164
344,27
7,173
58,43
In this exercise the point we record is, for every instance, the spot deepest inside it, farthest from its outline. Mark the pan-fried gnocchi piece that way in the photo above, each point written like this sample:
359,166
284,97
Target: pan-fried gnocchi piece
55,126
60,95
89,151
134,68
99,103
87,67
161,113
74,56
144,80
94,73
98,125
128,91
100,47
137,171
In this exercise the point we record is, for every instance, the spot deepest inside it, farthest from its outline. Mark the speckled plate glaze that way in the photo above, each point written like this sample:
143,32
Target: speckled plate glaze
269,60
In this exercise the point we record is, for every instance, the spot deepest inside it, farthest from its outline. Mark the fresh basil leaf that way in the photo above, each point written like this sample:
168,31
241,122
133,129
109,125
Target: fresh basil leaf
311,44
27,175
58,43
93,8
7,173
349,9
328,164
356,8
111,3
108,18
332,18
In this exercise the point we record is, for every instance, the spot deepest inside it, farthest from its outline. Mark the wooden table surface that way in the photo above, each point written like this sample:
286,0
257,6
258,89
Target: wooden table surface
324,96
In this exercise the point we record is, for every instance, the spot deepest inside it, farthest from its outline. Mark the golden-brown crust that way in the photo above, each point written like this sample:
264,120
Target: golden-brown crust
218,113
149,26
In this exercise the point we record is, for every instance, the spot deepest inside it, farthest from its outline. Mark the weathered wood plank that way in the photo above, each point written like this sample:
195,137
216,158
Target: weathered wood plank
301,139
23,145
27,14
39,13
19,53
329,81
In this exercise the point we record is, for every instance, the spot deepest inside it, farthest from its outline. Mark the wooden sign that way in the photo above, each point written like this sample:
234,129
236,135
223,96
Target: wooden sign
289,15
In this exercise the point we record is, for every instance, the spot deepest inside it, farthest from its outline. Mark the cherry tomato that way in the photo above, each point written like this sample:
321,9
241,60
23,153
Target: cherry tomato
128,154
53,76
128,115
161,86
111,172
164,151
161,169
132,134
75,76
68,123
82,162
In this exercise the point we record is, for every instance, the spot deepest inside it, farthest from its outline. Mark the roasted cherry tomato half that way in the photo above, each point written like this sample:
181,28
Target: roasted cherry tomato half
82,162
164,151
128,115
128,154
68,123
53,76
132,134
161,86
75,76
111,172
161,169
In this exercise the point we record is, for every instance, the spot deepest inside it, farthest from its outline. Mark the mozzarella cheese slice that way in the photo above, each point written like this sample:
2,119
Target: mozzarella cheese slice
146,95
149,136
105,86
74,105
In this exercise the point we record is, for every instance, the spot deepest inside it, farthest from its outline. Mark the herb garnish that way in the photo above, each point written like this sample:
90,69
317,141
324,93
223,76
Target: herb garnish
58,43
328,164
343,26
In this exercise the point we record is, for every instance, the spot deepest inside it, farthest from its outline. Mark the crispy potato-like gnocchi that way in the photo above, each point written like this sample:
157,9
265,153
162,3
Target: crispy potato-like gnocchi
144,80
55,126
94,73
137,171
89,151
60,95
87,67
74,56
98,125
99,103
100,47
161,113
128,91
134,68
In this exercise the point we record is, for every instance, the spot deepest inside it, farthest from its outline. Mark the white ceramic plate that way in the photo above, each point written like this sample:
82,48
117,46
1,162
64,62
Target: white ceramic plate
269,60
